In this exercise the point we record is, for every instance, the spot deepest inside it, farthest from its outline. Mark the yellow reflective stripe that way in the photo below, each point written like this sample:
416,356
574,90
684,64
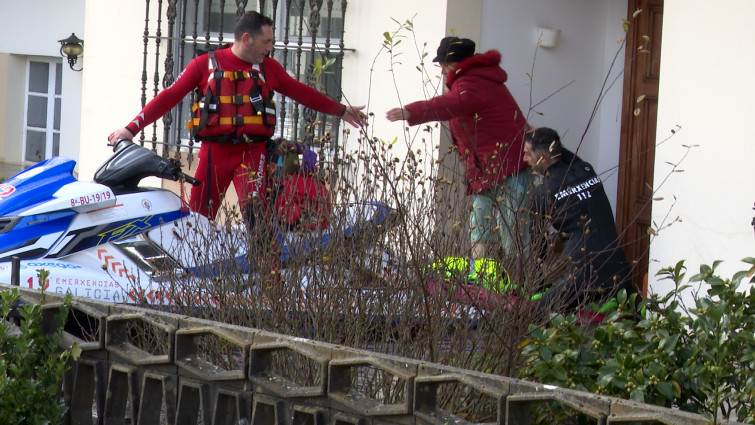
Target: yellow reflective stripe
221,99
227,121
229,99
247,120
231,75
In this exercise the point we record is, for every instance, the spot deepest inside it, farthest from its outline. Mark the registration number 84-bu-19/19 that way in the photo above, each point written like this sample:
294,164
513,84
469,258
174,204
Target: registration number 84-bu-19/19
91,198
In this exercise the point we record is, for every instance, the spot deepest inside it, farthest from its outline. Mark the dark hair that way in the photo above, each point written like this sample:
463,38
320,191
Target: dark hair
251,22
545,140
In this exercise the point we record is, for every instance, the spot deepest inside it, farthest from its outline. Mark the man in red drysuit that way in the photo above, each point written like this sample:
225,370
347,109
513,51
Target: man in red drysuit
234,115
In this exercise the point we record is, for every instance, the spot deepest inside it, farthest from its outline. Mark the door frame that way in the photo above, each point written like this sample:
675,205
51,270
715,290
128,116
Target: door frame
638,130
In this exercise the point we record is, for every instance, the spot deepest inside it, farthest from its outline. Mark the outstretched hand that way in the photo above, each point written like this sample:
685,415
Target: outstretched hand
121,133
355,116
396,114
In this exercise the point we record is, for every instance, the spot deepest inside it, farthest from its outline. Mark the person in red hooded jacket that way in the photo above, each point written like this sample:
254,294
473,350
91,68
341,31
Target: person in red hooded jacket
487,128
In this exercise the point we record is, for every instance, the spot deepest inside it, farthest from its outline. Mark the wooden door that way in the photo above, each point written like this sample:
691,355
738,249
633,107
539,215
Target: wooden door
638,125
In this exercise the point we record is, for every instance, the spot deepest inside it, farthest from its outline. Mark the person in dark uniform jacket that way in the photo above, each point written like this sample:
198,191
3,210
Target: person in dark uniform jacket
571,202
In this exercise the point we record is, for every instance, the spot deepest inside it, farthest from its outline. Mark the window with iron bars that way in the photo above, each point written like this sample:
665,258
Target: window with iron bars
307,32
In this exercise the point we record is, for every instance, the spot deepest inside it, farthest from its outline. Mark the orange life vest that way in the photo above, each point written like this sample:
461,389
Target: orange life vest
235,104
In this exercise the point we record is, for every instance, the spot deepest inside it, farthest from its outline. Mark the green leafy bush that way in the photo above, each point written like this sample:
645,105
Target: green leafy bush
658,351
31,364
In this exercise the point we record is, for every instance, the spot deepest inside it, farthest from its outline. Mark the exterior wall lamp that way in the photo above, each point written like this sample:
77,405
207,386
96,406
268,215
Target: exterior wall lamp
72,47
547,37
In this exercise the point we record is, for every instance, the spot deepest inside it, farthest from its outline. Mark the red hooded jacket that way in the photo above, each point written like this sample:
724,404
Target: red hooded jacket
486,124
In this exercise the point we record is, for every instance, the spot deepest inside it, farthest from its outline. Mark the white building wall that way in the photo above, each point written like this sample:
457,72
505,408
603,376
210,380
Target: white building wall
560,86
367,78
383,82
33,27
707,88
112,83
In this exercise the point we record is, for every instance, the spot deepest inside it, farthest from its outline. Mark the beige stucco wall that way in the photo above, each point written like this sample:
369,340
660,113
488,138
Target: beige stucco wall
13,68
3,105
371,76
559,87
366,80
367,76
463,18
112,76
707,88
32,29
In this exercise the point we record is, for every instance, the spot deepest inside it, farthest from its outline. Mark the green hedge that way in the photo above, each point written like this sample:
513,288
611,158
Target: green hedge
699,359
31,363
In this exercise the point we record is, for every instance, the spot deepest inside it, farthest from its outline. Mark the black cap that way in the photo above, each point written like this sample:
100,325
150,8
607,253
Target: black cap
454,49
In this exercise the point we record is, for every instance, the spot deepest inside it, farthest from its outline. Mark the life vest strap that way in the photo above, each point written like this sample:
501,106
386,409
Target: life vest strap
234,75
236,99
236,120
259,97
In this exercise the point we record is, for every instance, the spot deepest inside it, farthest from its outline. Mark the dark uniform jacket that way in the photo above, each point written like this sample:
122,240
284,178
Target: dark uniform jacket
571,198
